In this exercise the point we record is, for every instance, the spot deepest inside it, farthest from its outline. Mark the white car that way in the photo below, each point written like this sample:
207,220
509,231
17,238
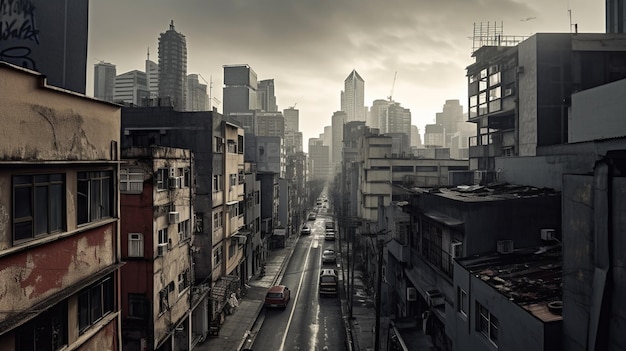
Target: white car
306,230
329,256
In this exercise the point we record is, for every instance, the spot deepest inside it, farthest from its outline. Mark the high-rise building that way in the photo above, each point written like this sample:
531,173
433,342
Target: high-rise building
615,16
131,88
173,67
338,120
377,117
353,97
270,124
416,139
318,159
104,80
196,94
266,98
240,88
292,119
152,77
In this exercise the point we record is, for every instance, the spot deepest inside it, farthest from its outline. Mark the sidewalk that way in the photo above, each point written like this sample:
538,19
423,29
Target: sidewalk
238,330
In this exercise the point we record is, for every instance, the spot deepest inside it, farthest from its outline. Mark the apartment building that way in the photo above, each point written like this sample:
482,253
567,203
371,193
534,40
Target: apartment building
59,204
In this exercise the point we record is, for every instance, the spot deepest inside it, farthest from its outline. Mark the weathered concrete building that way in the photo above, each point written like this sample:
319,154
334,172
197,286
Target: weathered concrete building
156,199
59,206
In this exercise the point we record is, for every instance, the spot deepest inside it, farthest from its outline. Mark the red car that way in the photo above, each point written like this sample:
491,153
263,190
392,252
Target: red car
277,296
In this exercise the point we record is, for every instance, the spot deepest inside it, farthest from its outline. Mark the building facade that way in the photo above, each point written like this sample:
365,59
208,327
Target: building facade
59,194
131,88
353,97
104,81
173,67
240,89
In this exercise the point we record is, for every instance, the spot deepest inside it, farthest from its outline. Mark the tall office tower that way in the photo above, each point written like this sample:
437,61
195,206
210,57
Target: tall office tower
318,159
398,119
240,87
433,136
450,118
131,88
270,124
104,80
292,119
416,138
173,67
338,120
615,16
266,98
378,115
293,142
152,76
353,97
196,94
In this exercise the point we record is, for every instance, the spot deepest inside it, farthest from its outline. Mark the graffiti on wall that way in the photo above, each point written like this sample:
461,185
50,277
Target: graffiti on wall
18,24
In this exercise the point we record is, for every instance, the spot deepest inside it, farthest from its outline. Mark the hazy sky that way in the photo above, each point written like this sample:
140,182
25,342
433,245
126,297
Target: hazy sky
309,47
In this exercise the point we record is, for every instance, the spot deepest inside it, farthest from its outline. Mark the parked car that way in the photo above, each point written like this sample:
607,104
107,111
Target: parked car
312,216
277,296
329,256
329,282
329,235
306,230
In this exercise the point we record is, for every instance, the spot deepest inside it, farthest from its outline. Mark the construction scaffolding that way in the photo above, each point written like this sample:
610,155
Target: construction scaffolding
492,34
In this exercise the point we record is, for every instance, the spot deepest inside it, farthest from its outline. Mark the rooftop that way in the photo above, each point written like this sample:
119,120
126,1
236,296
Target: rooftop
531,278
489,192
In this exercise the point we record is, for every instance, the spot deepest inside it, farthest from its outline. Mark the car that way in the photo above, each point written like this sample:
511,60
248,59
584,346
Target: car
306,230
277,296
329,235
329,282
312,216
329,256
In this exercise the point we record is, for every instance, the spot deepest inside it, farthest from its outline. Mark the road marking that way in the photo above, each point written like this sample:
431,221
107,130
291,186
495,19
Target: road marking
295,300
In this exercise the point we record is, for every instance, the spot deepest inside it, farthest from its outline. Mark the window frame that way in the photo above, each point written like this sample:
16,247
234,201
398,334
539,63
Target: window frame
94,189
128,177
139,252
104,291
163,241
27,212
487,324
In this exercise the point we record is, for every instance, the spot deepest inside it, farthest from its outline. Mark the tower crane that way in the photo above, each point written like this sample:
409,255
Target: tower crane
390,97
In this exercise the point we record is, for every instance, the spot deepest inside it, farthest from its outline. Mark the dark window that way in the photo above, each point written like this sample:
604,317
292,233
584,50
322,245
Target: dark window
39,205
95,194
95,302
402,168
426,168
46,332
137,306
486,323
164,303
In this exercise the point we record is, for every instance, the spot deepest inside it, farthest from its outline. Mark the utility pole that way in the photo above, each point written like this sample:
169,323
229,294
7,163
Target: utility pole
379,285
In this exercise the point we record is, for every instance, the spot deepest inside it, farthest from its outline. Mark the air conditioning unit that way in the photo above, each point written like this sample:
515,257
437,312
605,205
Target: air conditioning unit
174,217
411,294
456,249
504,246
547,234
508,92
434,298
173,182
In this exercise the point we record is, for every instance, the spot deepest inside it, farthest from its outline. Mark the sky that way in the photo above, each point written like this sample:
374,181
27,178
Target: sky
309,47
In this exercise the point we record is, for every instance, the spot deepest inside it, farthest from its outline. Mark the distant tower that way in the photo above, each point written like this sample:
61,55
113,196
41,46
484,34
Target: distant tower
353,97
240,88
196,94
615,16
152,75
173,67
104,80
266,98
292,119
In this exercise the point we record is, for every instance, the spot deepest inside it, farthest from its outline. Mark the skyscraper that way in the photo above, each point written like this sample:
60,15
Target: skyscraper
152,76
353,97
292,119
266,98
173,67
131,88
196,94
240,88
104,80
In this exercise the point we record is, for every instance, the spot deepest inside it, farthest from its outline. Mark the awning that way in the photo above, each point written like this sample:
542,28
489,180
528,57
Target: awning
230,203
223,287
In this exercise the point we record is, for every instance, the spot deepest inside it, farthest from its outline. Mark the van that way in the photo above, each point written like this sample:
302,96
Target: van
329,282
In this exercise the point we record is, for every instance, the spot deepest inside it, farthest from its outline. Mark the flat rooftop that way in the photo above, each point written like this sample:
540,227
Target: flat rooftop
490,192
530,278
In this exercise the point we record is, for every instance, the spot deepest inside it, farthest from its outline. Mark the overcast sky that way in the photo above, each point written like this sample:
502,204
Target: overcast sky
309,47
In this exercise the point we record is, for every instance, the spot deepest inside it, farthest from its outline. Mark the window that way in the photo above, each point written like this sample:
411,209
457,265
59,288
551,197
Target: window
462,301
135,245
184,230
186,181
161,178
233,179
163,242
48,331
232,247
95,194
183,281
233,211
486,323
232,146
217,220
240,144
217,182
94,303
137,306
219,144
402,168
164,299
38,205
217,256
426,169
131,180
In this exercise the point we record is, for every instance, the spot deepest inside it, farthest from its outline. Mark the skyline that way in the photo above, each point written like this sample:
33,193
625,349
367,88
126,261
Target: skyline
310,48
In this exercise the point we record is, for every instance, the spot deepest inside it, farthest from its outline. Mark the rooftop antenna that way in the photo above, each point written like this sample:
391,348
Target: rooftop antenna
575,25
390,97
148,58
